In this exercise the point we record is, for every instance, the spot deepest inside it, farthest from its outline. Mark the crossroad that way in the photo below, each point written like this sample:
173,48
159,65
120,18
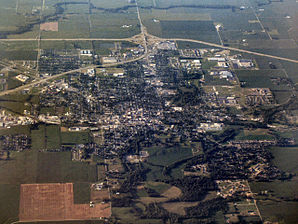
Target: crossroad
50,78
140,38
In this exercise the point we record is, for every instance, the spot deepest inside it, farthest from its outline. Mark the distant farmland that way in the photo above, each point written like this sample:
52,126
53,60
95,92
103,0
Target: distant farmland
55,202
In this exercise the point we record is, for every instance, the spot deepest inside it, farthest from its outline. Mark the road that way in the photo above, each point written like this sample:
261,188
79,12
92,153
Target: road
29,85
234,49
68,39
143,29
162,39
142,37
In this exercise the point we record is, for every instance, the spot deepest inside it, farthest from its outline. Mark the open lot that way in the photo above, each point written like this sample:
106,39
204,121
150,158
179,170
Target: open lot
56,202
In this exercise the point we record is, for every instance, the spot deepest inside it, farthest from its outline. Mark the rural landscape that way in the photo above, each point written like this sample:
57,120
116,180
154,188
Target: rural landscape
148,111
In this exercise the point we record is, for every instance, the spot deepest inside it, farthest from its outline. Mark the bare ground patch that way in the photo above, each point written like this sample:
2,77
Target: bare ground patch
55,202
173,192
49,26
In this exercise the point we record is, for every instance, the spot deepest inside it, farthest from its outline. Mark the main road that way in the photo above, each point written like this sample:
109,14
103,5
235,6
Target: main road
137,38
234,49
141,39
32,84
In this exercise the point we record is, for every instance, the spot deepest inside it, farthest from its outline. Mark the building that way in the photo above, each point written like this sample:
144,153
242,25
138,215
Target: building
22,78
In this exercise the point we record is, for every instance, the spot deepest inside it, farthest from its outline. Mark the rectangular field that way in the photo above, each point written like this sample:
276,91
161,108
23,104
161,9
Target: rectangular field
55,202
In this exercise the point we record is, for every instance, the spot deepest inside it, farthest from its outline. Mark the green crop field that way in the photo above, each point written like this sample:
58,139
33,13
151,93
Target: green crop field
155,172
265,79
19,50
71,26
211,80
260,134
71,138
159,187
15,107
66,45
261,78
114,25
20,129
53,138
39,167
111,4
19,55
38,138
81,191
9,202
18,45
167,156
280,210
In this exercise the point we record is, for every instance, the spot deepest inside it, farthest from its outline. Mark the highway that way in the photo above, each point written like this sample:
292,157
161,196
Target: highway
69,39
137,38
234,49
134,38
29,85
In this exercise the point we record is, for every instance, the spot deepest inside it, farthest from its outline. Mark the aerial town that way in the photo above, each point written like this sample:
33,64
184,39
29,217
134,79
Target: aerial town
144,128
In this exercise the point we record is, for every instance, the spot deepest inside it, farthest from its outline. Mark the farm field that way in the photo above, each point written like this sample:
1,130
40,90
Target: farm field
279,208
177,26
41,167
9,202
82,193
18,50
259,134
167,156
21,129
163,157
127,215
30,167
65,45
155,99
46,137
267,78
75,26
114,25
72,138
56,202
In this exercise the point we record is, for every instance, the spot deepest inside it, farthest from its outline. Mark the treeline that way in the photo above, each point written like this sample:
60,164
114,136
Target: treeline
29,26
194,188
60,10
207,208
116,10
132,179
